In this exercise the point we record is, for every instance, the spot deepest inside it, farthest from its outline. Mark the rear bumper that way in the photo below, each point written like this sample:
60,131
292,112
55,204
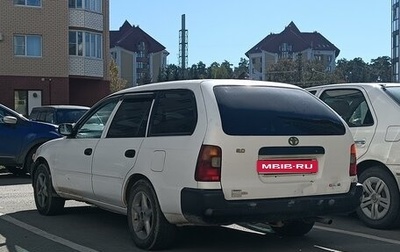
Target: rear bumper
210,207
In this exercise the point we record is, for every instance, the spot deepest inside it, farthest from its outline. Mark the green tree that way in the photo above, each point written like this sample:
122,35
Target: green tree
355,70
242,70
145,78
116,83
226,70
285,70
381,69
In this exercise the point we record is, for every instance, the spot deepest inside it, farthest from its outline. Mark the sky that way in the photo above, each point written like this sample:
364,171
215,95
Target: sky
220,30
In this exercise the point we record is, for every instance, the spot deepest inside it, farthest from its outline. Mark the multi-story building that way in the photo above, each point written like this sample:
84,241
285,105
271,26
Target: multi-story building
53,52
139,57
290,44
395,40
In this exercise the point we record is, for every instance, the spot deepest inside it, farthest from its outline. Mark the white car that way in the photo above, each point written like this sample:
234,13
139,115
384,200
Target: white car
203,152
372,110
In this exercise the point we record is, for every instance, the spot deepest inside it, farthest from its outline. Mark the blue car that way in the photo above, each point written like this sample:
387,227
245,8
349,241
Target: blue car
19,139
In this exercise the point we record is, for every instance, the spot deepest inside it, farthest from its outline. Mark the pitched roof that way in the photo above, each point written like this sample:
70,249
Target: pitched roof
128,37
298,40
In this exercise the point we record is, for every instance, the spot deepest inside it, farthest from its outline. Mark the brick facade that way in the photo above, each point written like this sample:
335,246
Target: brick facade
50,73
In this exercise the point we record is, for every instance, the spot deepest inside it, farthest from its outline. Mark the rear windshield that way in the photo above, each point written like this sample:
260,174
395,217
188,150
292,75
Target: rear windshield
69,115
271,111
394,92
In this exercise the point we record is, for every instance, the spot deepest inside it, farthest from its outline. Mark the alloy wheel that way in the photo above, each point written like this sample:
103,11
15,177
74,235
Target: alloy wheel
142,215
41,190
376,198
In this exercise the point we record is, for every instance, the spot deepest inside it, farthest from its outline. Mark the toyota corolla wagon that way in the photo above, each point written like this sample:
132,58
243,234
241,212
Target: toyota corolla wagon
203,152
372,110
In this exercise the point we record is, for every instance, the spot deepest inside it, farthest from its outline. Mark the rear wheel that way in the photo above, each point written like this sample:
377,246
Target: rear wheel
46,200
148,226
380,206
294,227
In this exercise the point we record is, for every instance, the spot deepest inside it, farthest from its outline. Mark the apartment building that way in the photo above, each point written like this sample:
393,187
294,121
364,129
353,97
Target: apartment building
395,40
53,52
139,57
291,43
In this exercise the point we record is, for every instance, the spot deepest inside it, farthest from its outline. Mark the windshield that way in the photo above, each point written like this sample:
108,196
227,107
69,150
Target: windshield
273,111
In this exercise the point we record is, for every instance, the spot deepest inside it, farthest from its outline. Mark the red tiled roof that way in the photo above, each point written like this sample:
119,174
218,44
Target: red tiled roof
128,37
298,40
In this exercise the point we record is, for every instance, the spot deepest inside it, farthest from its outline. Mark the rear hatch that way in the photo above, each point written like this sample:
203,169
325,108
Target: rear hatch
280,142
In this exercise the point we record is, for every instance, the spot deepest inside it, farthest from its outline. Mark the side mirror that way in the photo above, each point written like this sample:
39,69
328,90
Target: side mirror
10,120
65,129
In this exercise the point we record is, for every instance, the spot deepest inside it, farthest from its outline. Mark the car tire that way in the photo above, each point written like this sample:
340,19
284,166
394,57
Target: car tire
46,200
29,160
148,226
294,228
380,203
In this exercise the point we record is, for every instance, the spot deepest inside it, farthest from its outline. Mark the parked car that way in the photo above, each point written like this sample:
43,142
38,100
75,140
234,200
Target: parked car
19,139
203,152
57,114
372,111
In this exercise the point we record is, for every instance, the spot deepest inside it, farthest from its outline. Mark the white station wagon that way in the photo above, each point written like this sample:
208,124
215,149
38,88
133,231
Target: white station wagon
203,152
372,111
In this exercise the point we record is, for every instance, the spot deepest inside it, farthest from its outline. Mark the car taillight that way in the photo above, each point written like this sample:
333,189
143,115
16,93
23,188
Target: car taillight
353,161
208,166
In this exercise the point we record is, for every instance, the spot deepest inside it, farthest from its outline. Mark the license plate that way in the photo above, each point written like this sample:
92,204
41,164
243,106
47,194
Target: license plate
287,166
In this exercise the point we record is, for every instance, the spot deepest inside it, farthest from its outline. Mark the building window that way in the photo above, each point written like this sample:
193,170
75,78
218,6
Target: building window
141,46
28,45
285,47
86,44
76,4
93,42
90,5
36,3
318,57
76,43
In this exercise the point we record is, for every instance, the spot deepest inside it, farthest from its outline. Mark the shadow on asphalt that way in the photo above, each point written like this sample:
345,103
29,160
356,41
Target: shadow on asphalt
7,178
88,225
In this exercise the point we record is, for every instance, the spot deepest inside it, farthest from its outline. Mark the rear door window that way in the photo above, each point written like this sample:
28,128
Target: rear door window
271,111
131,118
351,105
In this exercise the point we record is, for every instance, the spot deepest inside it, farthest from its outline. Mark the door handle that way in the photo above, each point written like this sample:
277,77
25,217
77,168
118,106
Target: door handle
130,153
359,142
88,151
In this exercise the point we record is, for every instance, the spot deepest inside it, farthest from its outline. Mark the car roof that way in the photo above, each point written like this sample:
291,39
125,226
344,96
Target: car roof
348,84
63,107
200,82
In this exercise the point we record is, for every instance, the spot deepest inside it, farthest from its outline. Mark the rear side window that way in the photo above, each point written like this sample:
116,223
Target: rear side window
393,92
272,111
34,114
174,113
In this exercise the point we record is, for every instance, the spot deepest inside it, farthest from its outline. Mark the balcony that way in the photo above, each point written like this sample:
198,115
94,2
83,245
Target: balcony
85,19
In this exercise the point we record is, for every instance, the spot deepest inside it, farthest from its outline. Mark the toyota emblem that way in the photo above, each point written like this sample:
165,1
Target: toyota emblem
293,141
